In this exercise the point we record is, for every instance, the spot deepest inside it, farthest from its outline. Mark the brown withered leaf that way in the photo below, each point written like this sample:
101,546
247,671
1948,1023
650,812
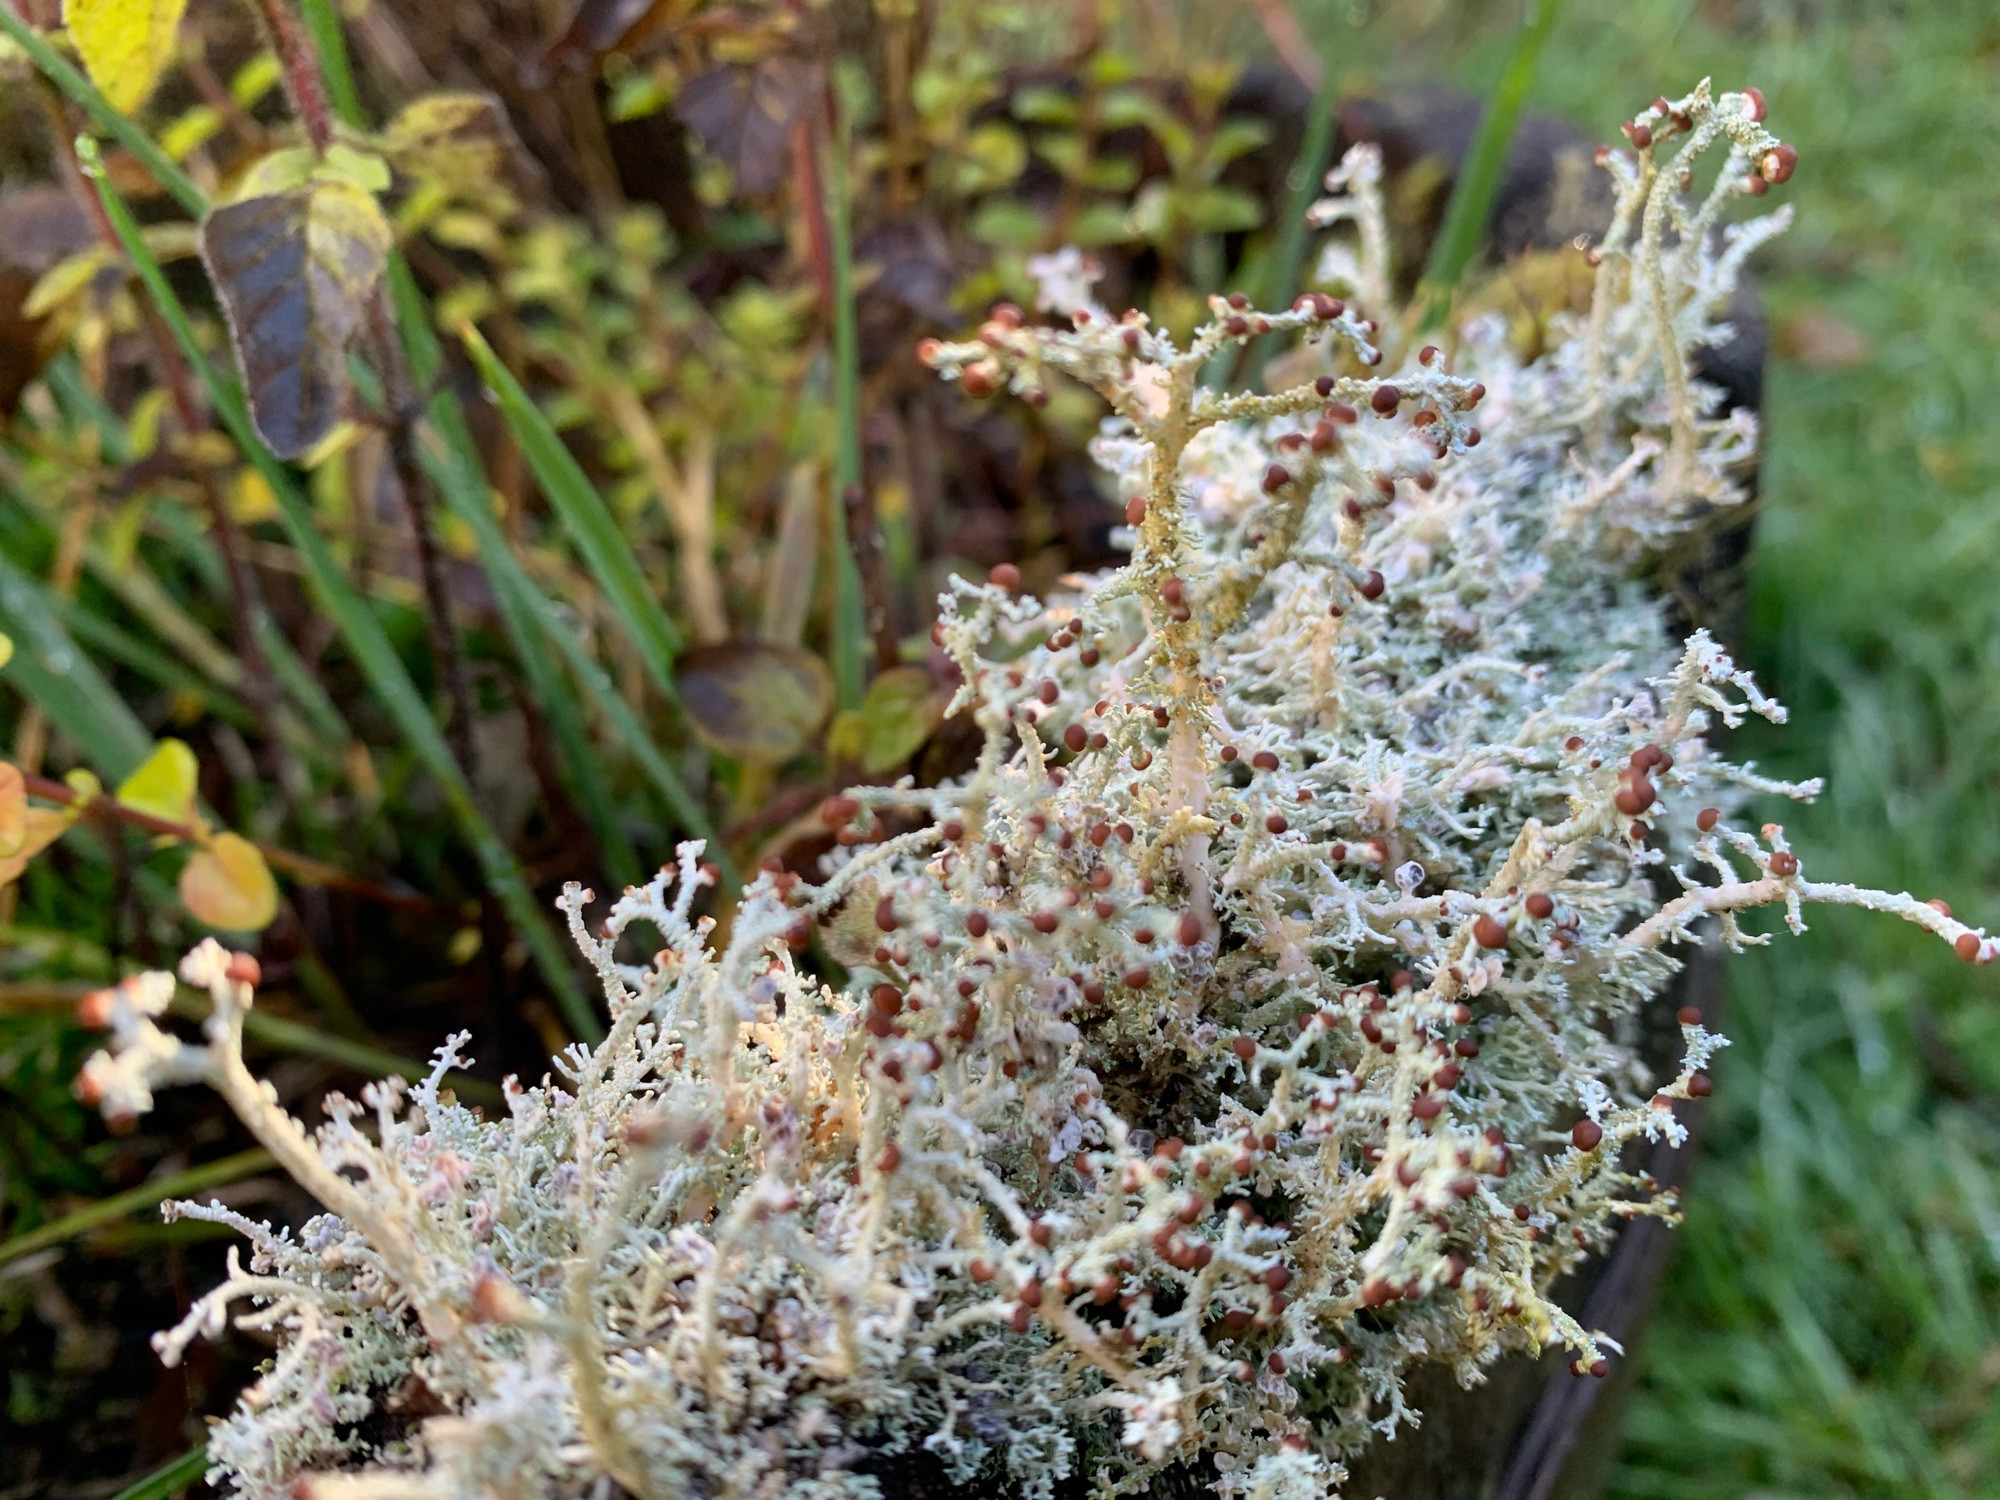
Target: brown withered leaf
755,700
595,27
40,224
294,271
22,346
744,117
598,26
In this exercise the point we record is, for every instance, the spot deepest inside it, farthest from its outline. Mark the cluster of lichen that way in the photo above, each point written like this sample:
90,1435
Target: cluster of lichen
1253,1021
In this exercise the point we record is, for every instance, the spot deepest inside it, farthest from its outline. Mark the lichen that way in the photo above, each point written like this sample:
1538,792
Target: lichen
1253,1022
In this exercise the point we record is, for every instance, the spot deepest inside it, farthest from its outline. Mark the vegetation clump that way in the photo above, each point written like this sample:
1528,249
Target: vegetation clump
1253,1021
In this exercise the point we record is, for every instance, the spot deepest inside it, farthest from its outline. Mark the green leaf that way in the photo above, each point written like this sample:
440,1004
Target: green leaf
294,271
125,44
165,785
902,710
1233,138
994,157
754,700
1041,105
1008,224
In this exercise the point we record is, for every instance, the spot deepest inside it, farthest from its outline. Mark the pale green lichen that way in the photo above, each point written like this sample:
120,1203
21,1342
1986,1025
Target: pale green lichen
1254,1021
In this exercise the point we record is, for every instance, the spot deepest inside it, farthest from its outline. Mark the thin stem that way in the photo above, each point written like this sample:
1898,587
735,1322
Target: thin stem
301,867
323,22
300,66
452,672
849,624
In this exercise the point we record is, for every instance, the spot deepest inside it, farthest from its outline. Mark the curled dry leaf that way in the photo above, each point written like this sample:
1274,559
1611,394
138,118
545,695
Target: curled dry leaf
294,271
228,885
125,44
755,700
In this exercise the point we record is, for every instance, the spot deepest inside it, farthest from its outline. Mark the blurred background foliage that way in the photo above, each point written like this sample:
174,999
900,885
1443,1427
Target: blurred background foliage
684,586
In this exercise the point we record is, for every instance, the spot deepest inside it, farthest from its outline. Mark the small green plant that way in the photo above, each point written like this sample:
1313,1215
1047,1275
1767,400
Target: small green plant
1248,1025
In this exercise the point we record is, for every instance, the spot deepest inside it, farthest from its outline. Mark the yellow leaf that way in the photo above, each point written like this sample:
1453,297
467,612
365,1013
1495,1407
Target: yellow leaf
165,785
40,827
255,79
196,127
65,279
228,885
125,44
6,650
13,810
251,498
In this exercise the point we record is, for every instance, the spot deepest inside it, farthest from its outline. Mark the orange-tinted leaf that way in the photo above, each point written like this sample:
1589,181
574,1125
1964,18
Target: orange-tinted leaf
754,700
228,885
40,827
13,810
294,271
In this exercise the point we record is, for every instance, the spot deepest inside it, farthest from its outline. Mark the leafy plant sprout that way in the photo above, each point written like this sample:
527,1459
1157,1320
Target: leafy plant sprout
1251,1023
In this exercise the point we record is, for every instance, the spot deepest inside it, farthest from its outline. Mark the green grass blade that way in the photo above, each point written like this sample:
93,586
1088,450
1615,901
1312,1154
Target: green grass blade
308,695
462,482
372,1062
362,632
170,1478
1478,182
849,625
323,22
147,1194
1281,281
128,133
584,516
115,643
54,674
511,580
553,698
453,466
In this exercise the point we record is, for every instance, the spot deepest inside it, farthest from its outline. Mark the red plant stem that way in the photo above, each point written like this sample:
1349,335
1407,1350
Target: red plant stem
300,65
301,867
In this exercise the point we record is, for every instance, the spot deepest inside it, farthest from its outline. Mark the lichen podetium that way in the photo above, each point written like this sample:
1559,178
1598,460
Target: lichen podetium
1251,1023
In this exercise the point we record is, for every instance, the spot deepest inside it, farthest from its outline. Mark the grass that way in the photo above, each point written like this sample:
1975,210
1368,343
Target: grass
1832,1323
